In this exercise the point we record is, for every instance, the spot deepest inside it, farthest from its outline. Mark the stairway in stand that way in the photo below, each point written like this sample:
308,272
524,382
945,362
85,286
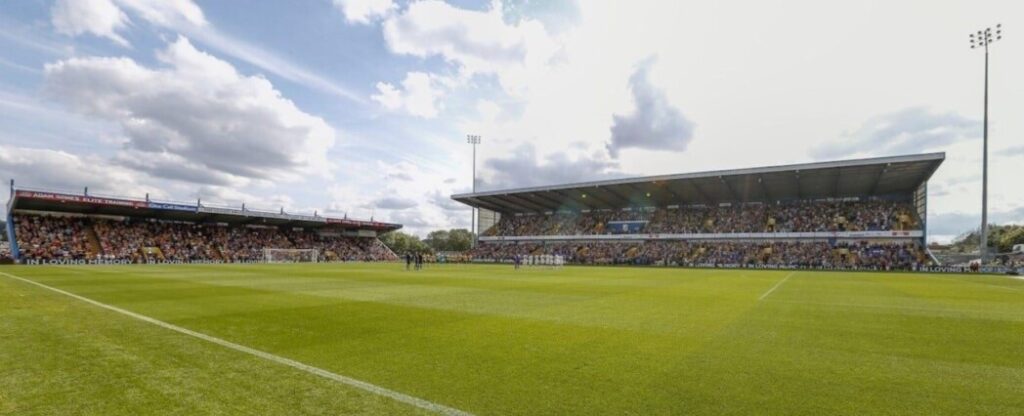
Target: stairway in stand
95,249
218,254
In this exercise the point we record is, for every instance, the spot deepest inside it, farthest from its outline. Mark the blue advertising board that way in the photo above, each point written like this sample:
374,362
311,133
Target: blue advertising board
173,207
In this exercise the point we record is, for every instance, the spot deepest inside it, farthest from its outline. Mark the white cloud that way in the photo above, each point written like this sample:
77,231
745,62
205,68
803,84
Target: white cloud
199,109
906,131
55,169
401,192
488,110
391,202
106,18
418,95
478,42
174,167
96,17
364,11
271,62
229,196
166,13
1010,151
523,167
655,123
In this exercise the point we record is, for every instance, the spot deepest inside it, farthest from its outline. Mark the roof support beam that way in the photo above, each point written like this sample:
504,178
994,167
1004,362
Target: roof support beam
566,195
675,197
835,185
728,187
764,189
582,202
604,203
878,179
637,190
555,204
512,203
625,202
526,203
703,196
488,205
799,189
493,205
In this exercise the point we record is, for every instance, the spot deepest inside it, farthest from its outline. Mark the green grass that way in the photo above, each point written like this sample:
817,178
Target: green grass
491,340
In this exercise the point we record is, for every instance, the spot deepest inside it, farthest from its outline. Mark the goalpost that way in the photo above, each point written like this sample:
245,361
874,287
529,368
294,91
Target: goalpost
291,255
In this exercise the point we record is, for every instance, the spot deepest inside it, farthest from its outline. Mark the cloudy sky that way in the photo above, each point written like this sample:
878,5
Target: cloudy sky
361,107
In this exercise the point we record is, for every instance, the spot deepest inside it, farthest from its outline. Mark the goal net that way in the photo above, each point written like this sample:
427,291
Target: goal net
291,255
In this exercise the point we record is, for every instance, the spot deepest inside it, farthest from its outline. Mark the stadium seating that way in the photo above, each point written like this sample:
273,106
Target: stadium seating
51,238
798,216
45,237
789,217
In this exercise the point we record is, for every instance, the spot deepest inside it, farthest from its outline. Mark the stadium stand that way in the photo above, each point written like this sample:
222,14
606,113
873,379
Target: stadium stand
853,214
799,216
48,227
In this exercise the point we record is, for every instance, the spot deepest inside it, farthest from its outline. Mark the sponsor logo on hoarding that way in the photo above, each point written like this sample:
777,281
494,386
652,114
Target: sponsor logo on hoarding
50,196
173,207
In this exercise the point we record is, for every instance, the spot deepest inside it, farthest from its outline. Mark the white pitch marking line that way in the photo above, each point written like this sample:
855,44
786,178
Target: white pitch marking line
372,388
784,279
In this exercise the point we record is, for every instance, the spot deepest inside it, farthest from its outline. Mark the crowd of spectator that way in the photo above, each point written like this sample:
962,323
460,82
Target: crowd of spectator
797,216
44,237
5,252
791,254
150,240
51,238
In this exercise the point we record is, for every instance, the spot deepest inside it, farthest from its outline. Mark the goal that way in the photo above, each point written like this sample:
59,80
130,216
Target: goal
291,255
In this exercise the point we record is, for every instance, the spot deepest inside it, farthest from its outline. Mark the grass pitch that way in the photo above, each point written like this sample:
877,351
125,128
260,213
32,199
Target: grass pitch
491,340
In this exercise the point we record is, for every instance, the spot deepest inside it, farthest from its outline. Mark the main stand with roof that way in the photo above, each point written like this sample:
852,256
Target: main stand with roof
901,178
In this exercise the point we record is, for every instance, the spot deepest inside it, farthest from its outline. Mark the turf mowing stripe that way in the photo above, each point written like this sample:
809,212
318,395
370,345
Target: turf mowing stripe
784,279
1014,316
372,388
970,280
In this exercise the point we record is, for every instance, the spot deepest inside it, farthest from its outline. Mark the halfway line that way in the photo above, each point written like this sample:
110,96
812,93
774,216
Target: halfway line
784,279
372,388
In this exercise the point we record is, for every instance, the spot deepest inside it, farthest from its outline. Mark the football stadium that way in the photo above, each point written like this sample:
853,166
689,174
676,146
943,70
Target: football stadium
511,207
801,289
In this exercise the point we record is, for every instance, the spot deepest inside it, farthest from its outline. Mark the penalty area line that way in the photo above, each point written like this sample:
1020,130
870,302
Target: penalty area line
784,279
349,381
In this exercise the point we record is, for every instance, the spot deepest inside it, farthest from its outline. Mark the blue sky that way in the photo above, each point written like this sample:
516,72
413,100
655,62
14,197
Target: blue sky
361,107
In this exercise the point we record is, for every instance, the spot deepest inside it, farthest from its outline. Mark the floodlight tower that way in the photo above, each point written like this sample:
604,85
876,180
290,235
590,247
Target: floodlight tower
474,140
982,39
